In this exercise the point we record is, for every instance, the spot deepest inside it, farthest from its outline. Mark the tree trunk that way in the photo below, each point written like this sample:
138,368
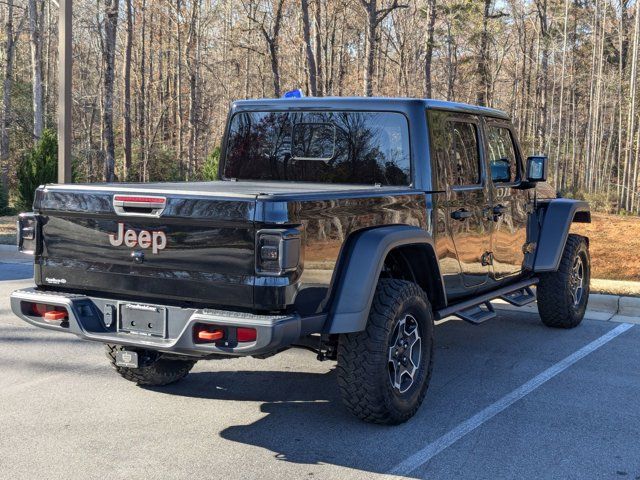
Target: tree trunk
544,72
275,67
10,42
370,9
271,36
561,102
111,8
126,111
623,45
311,61
631,116
431,21
451,78
631,126
193,57
35,36
374,18
274,47
178,97
319,70
483,62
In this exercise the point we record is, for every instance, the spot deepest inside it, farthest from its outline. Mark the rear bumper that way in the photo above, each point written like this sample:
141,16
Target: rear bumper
87,320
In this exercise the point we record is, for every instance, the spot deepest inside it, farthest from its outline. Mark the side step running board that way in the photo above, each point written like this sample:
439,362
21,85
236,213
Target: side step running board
520,298
472,310
477,314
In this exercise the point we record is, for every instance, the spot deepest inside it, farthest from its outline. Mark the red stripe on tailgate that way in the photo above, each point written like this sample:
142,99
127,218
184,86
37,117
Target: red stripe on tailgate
122,198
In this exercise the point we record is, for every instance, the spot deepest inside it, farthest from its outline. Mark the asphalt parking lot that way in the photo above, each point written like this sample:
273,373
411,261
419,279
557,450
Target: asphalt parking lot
508,399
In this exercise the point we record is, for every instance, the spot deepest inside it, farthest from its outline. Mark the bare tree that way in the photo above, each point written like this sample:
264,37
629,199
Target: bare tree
430,12
10,44
319,44
374,17
110,24
631,118
269,22
561,103
36,26
483,94
543,16
126,74
311,60
193,64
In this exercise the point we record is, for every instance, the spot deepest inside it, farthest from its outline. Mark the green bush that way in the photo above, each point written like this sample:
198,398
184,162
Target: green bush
163,166
38,166
4,204
210,167
599,202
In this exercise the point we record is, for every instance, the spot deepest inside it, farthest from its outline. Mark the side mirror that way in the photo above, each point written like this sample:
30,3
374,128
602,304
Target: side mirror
537,168
500,171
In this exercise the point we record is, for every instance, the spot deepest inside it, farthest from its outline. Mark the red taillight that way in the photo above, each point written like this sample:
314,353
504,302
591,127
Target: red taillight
207,333
39,309
55,316
246,334
211,336
49,313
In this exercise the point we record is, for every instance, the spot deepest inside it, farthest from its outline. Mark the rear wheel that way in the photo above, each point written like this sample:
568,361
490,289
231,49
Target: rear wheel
384,371
154,370
563,295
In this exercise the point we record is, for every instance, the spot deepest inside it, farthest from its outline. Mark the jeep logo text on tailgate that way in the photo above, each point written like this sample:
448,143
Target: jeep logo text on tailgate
145,239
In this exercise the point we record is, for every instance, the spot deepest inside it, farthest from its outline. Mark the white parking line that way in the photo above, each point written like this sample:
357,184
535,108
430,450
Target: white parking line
434,448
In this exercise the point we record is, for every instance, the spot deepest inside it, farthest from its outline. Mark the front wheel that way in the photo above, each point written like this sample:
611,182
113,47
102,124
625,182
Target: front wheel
384,371
154,370
563,295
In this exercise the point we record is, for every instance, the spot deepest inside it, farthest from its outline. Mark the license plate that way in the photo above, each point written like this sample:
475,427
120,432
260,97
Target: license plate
140,319
127,359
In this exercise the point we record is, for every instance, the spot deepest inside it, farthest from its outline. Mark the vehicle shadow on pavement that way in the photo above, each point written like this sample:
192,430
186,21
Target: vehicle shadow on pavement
305,421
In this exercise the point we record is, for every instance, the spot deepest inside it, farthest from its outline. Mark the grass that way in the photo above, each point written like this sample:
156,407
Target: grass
614,242
8,230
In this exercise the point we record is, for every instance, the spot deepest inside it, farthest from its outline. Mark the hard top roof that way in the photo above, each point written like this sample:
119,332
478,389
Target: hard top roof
367,103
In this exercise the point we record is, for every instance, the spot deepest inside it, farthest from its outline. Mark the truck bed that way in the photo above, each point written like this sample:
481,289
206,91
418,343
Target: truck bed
210,230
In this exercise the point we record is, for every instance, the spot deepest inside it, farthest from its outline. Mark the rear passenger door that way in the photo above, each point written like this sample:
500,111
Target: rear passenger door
458,168
509,202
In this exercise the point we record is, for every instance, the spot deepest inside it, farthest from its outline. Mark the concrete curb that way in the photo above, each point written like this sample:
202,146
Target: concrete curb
607,308
604,303
629,306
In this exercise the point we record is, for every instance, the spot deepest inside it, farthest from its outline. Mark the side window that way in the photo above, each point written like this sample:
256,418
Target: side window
455,156
464,159
502,155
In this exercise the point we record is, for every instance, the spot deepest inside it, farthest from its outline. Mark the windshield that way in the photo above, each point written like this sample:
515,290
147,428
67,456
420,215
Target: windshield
330,147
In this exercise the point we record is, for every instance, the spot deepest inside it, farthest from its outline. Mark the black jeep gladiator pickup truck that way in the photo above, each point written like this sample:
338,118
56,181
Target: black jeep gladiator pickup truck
342,225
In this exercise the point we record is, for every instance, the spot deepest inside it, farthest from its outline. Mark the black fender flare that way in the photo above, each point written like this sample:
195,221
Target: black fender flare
558,216
359,270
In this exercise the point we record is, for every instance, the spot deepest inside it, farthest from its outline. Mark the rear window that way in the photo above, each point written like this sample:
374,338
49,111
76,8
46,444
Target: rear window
331,147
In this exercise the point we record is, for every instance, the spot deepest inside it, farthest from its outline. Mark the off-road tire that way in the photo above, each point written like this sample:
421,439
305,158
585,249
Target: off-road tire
363,357
154,371
555,301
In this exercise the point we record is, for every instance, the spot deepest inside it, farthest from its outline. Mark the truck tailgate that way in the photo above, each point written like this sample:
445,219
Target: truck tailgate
195,247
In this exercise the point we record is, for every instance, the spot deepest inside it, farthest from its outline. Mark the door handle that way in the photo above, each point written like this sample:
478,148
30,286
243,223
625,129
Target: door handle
461,214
